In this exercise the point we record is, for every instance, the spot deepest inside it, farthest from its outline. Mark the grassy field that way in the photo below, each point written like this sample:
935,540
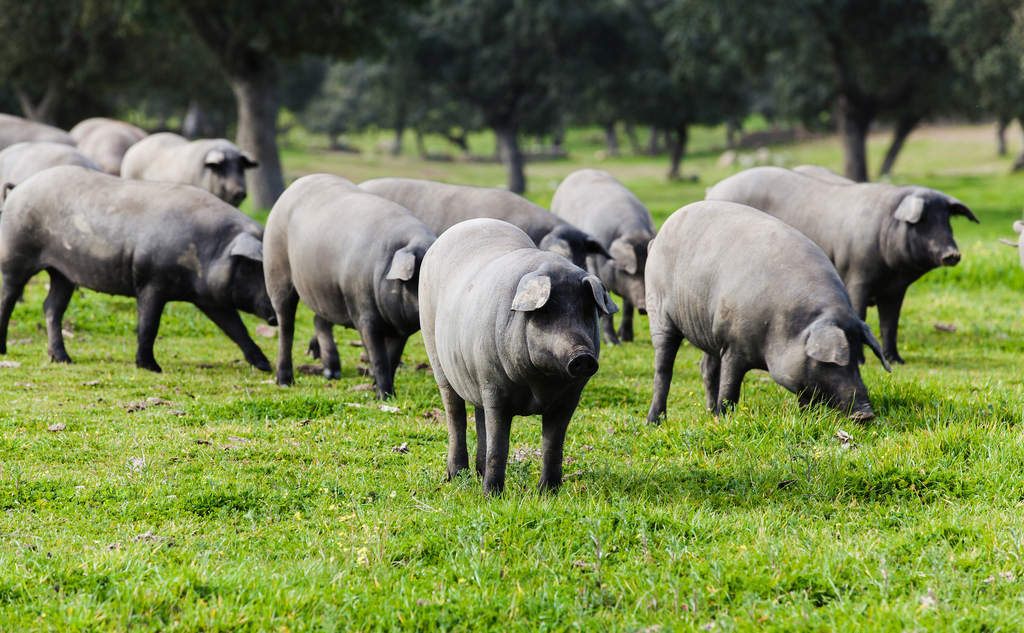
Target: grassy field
206,499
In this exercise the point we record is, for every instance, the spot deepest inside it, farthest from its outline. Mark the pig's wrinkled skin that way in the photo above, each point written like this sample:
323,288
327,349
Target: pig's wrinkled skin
752,292
823,174
881,238
22,160
441,206
597,203
106,141
158,242
354,259
14,129
512,330
216,165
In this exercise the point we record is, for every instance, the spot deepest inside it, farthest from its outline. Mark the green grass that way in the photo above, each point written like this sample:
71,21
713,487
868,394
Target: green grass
263,508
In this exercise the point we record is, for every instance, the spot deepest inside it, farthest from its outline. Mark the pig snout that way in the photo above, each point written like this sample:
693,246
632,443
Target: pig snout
582,364
950,257
237,196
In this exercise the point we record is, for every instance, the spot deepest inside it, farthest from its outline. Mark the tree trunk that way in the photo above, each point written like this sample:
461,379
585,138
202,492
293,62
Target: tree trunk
1001,126
853,122
652,143
558,139
634,144
611,139
732,129
1018,163
46,110
903,129
396,149
192,125
420,147
255,88
677,147
508,150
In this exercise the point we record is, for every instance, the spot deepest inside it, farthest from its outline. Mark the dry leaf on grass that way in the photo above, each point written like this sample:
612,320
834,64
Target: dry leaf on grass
204,442
366,386
422,366
149,537
56,428
356,343
9,364
525,454
264,330
434,414
587,447
945,327
142,405
310,370
845,440
363,370
578,473
929,601
401,448
90,383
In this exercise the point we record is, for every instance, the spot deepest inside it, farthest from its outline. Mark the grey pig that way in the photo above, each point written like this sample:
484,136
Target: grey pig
106,141
158,242
14,129
353,258
441,206
824,174
216,165
22,160
752,292
881,238
513,330
597,203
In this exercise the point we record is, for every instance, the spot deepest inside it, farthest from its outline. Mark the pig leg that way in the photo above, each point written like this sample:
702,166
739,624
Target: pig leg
608,329
285,308
150,305
61,290
313,349
455,415
711,371
377,350
481,440
228,320
13,286
395,347
860,297
889,308
327,350
666,346
499,427
730,379
626,326
555,422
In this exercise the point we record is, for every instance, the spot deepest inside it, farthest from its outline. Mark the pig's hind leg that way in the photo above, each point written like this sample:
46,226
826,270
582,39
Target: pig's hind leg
326,348
710,371
13,285
380,363
730,379
285,301
626,325
608,329
455,417
395,345
499,428
150,307
666,346
61,290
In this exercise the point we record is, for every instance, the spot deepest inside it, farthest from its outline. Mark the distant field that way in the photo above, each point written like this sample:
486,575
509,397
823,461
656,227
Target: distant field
224,503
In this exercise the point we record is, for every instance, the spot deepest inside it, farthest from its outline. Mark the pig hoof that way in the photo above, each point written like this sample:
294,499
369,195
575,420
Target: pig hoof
263,365
332,374
61,358
149,366
862,416
895,358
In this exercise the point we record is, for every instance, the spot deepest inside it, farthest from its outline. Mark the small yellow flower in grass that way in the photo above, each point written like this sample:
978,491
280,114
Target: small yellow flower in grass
393,494
462,580
363,556
298,516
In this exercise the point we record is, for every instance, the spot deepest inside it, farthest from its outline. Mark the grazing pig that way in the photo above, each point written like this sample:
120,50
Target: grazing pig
597,203
353,258
106,141
881,238
752,292
22,160
158,242
441,206
216,165
14,129
513,330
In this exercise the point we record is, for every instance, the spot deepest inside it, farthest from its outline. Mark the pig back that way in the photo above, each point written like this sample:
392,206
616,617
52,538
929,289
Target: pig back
595,202
23,160
14,129
110,234
724,274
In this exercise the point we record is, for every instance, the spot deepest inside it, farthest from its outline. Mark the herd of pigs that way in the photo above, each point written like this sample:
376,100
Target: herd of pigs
773,271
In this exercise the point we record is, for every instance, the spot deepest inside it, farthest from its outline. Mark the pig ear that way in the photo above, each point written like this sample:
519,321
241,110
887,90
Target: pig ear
403,265
624,255
248,160
872,342
533,292
214,157
959,208
601,296
828,344
594,247
556,245
245,245
910,209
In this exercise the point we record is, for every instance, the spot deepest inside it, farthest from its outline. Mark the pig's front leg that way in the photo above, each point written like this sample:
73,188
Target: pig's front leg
395,345
285,306
455,415
228,320
481,440
666,347
327,350
150,305
626,325
555,423
499,427
377,350
889,307
61,289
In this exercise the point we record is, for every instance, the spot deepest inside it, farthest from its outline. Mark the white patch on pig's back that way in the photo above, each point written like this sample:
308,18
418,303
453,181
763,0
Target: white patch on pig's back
190,259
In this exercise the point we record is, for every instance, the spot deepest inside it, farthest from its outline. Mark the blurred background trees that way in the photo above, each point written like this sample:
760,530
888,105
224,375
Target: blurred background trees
521,68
